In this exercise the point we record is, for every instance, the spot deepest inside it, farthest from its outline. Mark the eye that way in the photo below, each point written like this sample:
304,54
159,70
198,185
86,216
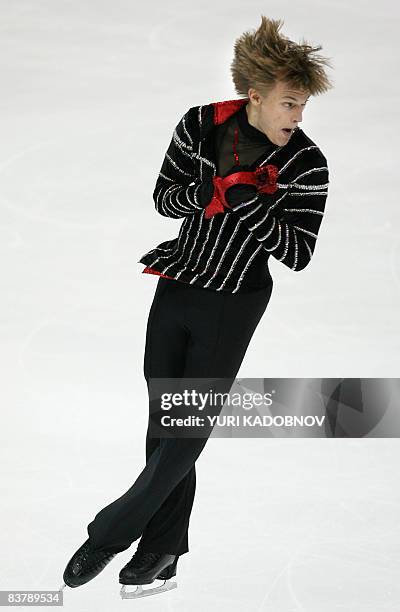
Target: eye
290,104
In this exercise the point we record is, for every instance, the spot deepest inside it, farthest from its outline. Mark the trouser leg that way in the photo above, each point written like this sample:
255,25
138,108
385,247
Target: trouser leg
168,528
220,331
212,331
165,350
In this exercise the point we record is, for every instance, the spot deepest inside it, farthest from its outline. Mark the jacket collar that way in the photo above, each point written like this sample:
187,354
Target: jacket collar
226,108
215,113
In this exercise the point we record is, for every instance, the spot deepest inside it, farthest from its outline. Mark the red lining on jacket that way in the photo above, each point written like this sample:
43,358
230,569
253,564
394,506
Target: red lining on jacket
152,271
223,110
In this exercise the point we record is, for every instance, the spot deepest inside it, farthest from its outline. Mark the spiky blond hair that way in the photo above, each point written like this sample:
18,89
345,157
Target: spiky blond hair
264,56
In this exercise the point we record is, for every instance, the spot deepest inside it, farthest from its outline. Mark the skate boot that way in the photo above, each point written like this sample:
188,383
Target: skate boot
169,571
85,564
144,568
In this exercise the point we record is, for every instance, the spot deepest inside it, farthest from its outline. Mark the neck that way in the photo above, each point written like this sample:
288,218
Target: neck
250,116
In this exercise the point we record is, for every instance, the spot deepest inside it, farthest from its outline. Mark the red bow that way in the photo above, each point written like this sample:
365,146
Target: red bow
263,178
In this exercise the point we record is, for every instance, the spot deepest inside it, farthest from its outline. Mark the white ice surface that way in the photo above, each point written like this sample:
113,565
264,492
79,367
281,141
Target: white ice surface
90,94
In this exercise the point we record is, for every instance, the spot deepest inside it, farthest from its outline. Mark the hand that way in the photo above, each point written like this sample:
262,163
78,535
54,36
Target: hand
237,185
206,192
237,181
244,187
249,183
209,197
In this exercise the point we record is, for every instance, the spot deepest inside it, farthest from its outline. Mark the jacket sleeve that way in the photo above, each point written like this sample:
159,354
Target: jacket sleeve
287,224
176,193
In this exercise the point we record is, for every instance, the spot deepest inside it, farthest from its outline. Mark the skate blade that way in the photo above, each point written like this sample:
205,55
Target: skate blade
141,592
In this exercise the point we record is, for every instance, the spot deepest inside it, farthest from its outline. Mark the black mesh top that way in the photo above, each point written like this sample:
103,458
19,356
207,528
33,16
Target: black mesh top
252,145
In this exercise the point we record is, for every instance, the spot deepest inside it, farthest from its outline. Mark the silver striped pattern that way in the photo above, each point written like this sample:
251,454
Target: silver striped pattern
231,241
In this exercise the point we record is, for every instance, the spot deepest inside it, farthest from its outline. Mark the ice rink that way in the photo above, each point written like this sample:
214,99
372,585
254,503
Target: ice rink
90,94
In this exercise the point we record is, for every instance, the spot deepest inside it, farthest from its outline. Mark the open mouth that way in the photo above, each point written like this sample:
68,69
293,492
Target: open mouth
287,130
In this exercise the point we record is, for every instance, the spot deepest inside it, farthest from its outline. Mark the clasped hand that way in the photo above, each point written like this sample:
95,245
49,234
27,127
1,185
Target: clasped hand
239,184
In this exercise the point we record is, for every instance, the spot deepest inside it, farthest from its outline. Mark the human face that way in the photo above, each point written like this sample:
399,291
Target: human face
282,107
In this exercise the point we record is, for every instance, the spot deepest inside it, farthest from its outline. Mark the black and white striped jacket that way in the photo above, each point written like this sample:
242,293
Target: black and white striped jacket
230,251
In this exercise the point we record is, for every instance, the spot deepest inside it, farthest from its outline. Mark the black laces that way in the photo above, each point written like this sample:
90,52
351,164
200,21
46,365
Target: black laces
142,558
96,557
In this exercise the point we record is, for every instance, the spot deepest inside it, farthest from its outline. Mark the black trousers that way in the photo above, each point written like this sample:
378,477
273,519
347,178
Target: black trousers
191,333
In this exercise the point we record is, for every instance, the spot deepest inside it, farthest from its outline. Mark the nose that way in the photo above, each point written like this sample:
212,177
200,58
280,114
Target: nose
298,117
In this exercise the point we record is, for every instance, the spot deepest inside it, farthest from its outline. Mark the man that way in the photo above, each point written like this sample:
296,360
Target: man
248,183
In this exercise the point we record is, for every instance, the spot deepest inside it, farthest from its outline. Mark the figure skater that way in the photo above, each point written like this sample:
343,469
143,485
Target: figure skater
247,183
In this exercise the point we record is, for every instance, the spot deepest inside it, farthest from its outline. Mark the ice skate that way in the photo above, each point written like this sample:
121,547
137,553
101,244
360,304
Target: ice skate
145,568
85,564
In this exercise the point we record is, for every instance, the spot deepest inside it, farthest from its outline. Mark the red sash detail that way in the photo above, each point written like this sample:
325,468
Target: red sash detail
264,178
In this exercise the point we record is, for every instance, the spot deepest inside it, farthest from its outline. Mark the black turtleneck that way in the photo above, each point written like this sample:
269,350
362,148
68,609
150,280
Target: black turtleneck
252,146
